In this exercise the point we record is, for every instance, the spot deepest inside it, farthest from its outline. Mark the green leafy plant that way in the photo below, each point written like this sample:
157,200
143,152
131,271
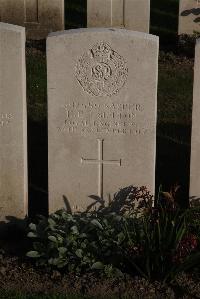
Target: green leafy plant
78,242
92,240
163,237
126,236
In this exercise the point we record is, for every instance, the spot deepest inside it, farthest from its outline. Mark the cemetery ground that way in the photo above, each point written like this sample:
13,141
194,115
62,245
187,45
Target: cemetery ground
19,276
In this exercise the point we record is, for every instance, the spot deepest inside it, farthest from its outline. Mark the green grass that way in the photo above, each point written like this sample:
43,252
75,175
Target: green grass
36,86
175,87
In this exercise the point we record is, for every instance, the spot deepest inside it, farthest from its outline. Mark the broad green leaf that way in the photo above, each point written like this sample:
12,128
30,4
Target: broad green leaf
33,254
97,224
79,253
62,250
53,239
51,222
32,235
32,226
121,237
74,230
56,216
60,238
98,266
53,261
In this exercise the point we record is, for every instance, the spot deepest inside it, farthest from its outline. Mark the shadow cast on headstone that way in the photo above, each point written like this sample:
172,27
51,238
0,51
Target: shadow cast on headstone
194,201
193,11
126,199
38,168
173,159
13,235
67,204
173,164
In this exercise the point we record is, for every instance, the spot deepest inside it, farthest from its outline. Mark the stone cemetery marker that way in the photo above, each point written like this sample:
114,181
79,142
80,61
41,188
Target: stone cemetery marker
13,122
189,17
102,86
129,14
38,16
195,144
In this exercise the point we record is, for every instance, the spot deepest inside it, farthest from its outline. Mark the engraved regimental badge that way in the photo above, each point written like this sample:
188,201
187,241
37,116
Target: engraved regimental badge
101,71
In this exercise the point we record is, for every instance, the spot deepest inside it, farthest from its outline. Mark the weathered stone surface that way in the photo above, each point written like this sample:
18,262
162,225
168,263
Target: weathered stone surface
102,86
195,141
128,14
13,122
189,17
40,17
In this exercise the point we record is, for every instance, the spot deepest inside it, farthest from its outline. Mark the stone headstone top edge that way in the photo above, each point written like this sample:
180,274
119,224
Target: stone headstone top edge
9,26
100,30
198,42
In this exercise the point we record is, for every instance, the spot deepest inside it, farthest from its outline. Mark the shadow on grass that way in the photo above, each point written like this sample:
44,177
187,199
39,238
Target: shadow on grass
164,22
38,168
13,236
75,14
173,159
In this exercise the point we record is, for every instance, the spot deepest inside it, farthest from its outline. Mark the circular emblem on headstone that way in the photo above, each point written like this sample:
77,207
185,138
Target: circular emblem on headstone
101,71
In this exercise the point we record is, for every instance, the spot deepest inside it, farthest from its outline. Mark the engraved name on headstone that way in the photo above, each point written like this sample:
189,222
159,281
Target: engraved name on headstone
102,86
40,17
13,122
128,14
189,17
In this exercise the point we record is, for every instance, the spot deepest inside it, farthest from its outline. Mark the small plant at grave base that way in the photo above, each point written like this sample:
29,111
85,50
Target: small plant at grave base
127,236
78,243
90,240
165,246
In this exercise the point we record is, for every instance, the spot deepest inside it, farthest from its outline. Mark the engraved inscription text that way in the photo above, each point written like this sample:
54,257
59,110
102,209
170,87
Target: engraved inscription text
102,118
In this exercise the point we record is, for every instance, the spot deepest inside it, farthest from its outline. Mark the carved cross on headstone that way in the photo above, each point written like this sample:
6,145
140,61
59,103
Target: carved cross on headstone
100,162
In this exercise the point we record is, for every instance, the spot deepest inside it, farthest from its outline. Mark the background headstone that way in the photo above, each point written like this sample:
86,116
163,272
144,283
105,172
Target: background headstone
13,122
102,87
128,14
195,141
40,17
189,17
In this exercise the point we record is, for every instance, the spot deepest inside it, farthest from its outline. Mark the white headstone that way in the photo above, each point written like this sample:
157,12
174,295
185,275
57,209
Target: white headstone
195,141
40,17
102,96
189,17
128,14
13,122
